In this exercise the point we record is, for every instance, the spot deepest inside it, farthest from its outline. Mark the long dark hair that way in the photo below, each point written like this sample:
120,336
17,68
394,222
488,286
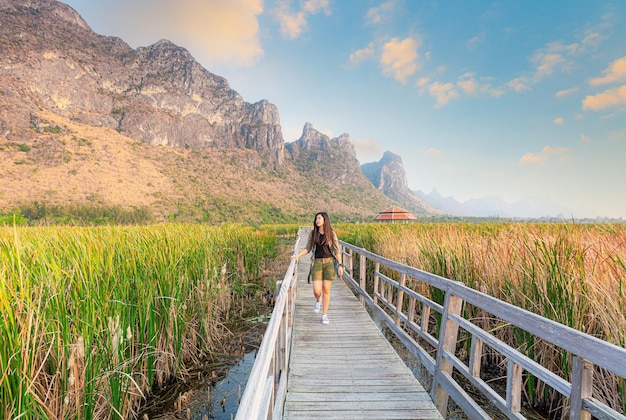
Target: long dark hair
328,230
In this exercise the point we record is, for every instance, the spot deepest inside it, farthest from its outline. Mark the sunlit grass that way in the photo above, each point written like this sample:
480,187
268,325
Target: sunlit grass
572,274
92,318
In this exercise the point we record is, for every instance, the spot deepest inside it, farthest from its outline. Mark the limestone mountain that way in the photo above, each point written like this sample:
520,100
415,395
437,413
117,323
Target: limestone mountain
159,94
87,120
331,165
389,177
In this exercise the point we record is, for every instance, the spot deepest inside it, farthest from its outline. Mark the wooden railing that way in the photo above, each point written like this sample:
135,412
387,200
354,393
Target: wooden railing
265,391
409,314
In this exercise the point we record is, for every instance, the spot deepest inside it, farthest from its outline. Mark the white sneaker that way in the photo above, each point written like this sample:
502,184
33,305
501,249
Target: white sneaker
325,319
316,307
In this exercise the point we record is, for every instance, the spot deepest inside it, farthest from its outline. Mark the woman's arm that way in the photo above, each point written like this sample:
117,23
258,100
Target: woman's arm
307,249
337,253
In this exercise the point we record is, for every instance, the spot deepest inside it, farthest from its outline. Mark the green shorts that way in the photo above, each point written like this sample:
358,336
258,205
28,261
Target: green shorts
323,269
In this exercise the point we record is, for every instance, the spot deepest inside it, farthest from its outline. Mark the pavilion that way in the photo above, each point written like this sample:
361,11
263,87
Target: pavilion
394,214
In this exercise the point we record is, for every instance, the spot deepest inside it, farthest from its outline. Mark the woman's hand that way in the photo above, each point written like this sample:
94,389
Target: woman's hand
340,270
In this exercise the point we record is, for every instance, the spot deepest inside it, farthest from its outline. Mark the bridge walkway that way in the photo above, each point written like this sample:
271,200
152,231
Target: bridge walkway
347,369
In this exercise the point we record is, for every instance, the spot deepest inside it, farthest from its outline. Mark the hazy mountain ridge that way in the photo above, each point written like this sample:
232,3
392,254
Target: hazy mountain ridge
493,206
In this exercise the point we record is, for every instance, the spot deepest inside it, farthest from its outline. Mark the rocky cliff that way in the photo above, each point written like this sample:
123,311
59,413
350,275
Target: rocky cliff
333,159
389,177
159,94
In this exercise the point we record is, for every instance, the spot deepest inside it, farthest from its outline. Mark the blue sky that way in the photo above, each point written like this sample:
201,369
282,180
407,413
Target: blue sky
480,98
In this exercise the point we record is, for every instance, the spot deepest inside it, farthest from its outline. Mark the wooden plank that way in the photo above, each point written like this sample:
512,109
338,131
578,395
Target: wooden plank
320,413
347,369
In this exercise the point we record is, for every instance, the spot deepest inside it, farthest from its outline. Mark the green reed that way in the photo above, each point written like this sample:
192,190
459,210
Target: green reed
572,274
92,318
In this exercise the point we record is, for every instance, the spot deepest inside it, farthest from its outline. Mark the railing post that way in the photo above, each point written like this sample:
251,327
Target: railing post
476,355
447,343
425,318
282,342
376,281
514,386
350,264
411,314
400,298
582,387
362,275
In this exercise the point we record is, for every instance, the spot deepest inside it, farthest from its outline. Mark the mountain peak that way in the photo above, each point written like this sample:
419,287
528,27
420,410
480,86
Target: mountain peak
313,140
391,158
58,9
389,177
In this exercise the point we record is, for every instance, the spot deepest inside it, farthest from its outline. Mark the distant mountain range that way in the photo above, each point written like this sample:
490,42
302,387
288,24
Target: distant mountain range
493,206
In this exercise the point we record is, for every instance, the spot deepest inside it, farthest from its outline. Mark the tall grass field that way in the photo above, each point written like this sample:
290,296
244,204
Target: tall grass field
92,318
574,274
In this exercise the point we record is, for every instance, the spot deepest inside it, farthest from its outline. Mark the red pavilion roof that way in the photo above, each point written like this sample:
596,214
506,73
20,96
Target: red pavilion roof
394,213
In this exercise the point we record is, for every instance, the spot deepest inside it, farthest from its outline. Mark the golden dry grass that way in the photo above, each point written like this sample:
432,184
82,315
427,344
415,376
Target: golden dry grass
572,274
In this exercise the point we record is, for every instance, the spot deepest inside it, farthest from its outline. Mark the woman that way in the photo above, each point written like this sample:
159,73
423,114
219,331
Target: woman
325,246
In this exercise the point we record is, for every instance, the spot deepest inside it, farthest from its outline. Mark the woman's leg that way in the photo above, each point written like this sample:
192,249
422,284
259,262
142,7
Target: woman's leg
316,279
317,290
326,290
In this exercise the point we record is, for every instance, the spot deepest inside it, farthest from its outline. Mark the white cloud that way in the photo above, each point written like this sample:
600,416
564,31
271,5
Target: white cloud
399,58
607,99
584,138
558,121
615,73
380,14
562,153
554,58
315,6
547,64
474,42
367,149
422,82
566,92
591,41
221,30
292,24
362,55
470,85
467,84
519,84
443,93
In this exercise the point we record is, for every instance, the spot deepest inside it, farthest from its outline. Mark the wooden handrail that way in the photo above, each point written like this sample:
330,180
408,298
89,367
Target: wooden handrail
265,391
393,297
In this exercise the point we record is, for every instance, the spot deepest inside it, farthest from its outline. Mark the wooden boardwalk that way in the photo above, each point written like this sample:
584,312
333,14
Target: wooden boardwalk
347,369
